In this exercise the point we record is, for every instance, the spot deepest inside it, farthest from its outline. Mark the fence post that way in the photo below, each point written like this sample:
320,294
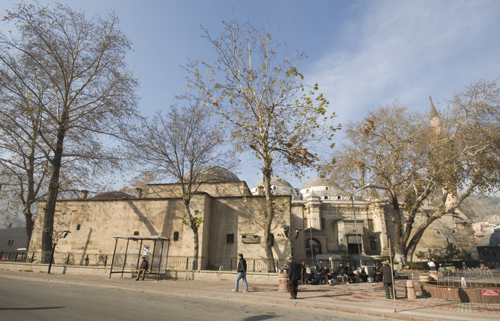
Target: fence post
253,265
87,260
67,259
32,257
187,263
105,260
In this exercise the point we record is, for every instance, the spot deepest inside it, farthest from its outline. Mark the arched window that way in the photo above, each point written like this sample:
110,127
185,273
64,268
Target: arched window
316,247
326,197
339,197
176,236
274,187
351,198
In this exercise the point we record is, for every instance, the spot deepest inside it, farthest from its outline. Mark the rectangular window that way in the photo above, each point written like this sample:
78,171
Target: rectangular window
11,242
229,238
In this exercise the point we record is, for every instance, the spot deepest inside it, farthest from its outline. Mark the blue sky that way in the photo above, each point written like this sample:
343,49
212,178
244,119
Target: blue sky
362,54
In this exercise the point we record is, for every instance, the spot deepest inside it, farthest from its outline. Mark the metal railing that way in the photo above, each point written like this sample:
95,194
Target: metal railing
258,265
13,256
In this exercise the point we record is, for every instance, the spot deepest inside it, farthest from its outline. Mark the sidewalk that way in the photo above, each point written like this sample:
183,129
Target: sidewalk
362,298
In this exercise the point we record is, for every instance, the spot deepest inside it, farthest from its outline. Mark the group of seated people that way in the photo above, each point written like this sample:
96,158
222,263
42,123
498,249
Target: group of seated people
347,274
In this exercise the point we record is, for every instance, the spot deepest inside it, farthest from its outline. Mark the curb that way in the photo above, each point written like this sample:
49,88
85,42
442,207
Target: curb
248,298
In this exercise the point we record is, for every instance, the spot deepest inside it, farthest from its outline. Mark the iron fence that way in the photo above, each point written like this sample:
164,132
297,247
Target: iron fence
131,261
13,256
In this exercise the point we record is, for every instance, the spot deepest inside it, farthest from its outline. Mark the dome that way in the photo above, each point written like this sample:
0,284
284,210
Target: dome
112,195
274,181
278,187
213,174
321,181
492,239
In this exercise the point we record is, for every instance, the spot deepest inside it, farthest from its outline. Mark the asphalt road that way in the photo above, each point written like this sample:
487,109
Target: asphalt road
27,300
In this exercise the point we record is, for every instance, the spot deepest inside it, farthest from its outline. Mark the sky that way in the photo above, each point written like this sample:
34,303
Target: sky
363,54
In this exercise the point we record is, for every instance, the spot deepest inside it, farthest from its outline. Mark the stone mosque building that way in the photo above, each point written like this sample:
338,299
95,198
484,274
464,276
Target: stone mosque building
319,219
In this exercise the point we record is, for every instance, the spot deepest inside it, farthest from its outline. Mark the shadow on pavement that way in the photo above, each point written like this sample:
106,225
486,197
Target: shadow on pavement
260,317
34,308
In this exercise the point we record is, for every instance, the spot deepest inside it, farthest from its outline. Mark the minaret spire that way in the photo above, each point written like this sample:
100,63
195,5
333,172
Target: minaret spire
434,113
434,118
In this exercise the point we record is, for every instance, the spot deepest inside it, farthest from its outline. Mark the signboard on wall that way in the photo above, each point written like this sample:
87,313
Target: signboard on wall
490,292
250,239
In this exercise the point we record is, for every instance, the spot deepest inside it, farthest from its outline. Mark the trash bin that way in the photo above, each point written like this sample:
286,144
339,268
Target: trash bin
283,283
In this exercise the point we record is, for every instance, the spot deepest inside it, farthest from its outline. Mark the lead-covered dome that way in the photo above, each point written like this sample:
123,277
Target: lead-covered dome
213,174
279,186
326,189
116,195
492,239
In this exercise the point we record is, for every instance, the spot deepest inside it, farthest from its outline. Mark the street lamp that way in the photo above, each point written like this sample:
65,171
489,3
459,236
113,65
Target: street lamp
55,239
356,222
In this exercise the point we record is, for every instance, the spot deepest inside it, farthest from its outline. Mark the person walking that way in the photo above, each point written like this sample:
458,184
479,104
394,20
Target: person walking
242,273
388,280
303,273
293,278
142,269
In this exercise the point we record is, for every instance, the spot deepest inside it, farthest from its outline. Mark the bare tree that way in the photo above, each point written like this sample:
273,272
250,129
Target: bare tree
186,146
410,157
72,72
260,96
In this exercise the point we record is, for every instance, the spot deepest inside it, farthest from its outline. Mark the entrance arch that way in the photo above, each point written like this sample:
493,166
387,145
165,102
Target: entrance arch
316,247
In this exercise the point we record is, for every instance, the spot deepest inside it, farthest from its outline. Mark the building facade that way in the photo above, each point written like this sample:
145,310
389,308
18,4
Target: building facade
319,218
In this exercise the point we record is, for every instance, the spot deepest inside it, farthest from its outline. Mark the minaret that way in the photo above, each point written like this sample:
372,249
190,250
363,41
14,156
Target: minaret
438,127
435,120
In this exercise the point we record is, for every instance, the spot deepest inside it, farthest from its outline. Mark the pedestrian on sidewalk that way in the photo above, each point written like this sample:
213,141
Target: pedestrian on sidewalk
142,269
303,273
293,277
388,278
431,264
242,273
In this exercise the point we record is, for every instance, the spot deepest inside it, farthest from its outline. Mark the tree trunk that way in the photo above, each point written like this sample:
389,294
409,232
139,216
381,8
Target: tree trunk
399,254
269,237
29,222
194,228
50,206
412,244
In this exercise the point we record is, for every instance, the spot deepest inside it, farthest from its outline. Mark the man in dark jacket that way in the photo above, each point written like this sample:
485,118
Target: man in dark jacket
341,273
242,273
376,274
386,272
293,277
142,269
325,273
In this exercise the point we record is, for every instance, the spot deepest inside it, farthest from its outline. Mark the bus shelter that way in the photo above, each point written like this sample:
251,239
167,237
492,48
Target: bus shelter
158,247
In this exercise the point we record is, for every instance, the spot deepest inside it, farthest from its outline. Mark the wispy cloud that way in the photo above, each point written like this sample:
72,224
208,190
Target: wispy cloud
408,50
